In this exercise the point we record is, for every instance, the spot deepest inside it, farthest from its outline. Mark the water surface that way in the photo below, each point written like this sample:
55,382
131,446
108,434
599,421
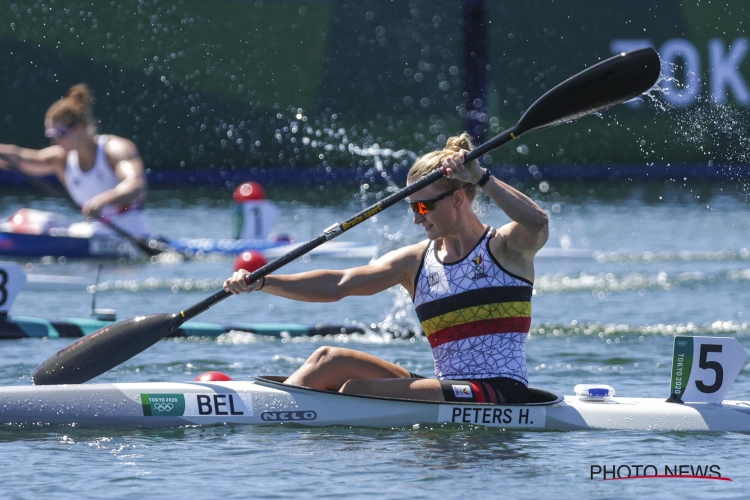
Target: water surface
660,260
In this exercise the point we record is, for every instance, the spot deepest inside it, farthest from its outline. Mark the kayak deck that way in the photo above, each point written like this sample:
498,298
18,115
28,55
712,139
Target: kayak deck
266,401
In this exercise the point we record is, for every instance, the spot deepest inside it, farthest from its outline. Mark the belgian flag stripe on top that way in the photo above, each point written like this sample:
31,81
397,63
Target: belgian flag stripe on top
472,298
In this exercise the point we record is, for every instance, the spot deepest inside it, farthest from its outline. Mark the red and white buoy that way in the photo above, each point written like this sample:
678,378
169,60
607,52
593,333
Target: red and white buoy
249,260
249,191
212,377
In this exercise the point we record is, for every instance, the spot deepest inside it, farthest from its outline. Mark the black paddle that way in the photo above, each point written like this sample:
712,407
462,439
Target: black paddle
610,82
150,246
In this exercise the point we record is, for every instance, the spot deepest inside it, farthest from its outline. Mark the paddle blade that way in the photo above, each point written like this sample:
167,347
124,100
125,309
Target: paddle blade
615,80
104,349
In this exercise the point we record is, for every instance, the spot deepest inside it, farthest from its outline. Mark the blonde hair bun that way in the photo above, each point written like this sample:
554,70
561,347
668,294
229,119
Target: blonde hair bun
427,163
457,143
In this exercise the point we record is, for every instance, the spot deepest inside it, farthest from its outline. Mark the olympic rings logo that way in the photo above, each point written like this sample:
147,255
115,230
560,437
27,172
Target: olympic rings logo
682,343
163,406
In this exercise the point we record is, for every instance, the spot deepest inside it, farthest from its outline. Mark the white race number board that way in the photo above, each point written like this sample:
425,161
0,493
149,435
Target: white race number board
704,368
12,280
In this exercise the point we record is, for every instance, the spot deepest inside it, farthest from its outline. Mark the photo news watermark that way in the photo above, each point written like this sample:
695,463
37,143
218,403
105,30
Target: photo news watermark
640,471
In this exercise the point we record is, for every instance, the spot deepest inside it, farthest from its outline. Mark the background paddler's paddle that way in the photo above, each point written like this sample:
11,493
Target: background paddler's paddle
610,82
149,246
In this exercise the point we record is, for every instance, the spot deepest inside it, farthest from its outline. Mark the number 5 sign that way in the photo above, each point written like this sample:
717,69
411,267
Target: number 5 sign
704,368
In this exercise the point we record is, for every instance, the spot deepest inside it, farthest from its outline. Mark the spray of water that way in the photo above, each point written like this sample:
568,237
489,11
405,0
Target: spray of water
715,133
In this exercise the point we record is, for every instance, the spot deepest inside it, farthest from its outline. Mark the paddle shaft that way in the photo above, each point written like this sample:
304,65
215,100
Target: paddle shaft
46,188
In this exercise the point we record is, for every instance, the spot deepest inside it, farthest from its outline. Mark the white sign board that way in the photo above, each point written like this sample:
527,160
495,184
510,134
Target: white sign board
704,368
254,220
12,280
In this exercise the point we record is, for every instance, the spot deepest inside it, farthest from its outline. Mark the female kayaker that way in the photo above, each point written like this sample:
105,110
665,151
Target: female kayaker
471,286
103,174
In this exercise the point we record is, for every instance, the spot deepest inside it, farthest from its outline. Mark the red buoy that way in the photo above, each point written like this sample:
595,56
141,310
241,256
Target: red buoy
249,260
249,191
212,377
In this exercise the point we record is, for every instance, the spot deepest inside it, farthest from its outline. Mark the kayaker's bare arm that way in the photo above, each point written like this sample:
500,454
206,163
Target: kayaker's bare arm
47,161
398,267
517,242
122,154
529,230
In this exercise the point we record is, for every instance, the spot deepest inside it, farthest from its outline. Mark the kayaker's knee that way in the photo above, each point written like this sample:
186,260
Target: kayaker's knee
323,355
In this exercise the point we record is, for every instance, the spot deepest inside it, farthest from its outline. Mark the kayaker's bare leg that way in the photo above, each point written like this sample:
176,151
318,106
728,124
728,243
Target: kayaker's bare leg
424,389
329,368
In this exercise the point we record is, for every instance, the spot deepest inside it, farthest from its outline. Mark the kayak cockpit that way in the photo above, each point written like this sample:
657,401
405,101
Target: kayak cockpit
537,397
542,397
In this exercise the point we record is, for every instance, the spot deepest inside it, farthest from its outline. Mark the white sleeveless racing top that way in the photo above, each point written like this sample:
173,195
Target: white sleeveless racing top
475,314
84,185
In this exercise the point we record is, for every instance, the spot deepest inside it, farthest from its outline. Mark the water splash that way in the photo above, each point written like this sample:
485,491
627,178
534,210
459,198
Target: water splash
401,321
385,162
713,133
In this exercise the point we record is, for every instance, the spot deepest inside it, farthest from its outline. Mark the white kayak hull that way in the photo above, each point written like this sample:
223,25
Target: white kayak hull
267,402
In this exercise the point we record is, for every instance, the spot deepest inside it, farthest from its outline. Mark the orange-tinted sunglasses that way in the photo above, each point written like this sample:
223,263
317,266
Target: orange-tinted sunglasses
424,207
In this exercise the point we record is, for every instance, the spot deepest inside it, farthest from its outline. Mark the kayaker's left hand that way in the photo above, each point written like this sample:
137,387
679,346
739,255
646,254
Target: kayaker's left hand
92,208
236,284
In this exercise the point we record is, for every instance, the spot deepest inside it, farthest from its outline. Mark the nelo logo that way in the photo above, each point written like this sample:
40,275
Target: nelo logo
288,416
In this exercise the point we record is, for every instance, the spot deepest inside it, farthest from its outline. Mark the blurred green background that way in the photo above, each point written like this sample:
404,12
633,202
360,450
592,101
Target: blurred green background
230,85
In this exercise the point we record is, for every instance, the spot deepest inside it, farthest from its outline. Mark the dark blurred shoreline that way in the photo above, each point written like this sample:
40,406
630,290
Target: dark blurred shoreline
322,176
